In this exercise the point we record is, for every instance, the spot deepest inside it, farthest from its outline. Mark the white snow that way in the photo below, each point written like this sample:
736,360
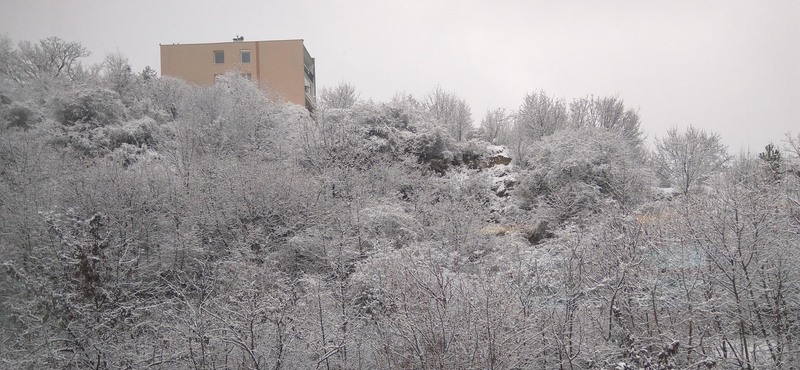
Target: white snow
498,151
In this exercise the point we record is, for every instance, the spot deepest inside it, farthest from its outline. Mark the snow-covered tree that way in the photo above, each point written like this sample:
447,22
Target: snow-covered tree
495,126
576,172
342,96
687,159
51,58
540,115
118,76
609,113
450,112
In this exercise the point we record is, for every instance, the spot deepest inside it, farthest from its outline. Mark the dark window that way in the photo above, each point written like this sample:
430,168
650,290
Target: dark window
245,56
219,56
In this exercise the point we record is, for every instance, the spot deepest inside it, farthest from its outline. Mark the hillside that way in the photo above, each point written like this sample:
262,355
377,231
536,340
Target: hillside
147,223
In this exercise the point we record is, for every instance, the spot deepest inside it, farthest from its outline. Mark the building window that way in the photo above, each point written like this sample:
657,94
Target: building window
219,56
247,76
245,56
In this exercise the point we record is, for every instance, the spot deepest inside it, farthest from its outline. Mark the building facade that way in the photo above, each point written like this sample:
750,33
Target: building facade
284,66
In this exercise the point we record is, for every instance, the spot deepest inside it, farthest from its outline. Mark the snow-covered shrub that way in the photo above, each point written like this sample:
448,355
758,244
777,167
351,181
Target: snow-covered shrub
577,172
95,106
432,148
233,116
138,132
167,96
475,153
389,225
21,115
128,154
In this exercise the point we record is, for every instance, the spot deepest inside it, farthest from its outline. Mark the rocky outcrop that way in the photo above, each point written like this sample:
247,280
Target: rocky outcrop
497,155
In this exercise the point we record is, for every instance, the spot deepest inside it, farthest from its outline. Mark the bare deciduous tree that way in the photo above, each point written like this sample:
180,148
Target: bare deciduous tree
342,96
609,113
541,115
687,159
50,58
449,111
495,126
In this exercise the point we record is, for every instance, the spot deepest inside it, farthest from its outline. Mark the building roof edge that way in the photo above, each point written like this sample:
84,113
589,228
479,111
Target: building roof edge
227,42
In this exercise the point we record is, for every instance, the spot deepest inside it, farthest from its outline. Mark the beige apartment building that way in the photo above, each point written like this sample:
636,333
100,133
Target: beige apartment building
284,66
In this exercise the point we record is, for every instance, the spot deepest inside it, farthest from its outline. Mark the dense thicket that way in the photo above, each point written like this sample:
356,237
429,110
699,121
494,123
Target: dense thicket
146,223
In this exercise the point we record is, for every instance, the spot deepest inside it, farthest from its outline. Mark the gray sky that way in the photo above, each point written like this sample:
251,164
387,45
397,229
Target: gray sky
732,67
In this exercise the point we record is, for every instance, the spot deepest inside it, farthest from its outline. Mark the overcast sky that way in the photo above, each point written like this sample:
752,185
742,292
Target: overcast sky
732,67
